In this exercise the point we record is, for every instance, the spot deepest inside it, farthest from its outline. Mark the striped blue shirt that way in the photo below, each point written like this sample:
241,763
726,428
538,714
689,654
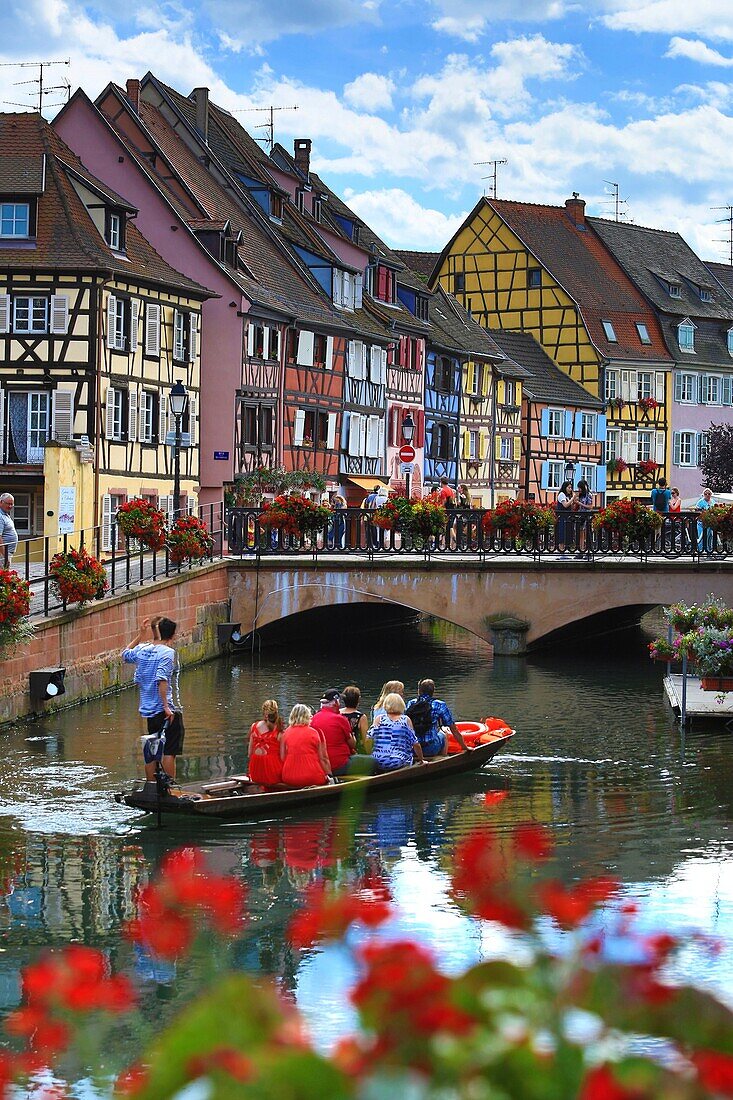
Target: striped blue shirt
393,739
153,665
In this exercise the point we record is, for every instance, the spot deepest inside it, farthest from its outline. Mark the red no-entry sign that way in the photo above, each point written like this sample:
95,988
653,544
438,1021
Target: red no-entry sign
407,453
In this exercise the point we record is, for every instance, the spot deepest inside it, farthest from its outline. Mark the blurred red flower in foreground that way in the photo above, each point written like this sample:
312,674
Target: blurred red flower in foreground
327,915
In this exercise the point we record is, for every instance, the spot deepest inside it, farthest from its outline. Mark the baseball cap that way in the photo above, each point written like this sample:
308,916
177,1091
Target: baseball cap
332,695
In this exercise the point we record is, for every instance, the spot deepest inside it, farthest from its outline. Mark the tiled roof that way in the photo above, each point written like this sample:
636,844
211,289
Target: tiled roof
545,381
21,175
723,273
420,262
454,328
578,260
66,237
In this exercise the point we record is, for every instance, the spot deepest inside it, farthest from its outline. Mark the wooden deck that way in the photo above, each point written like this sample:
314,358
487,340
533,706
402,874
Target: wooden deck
700,704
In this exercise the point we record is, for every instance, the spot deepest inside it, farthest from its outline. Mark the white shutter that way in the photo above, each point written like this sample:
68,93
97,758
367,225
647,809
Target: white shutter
354,433
4,313
364,357
338,286
193,418
109,414
305,348
362,435
192,506
298,427
331,431
348,298
111,311
193,337
329,353
628,445
106,522
250,339
380,439
162,416
59,314
659,448
152,328
383,374
659,386
371,437
62,416
375,364
358,291
265,341
145,397
178,321
134,318
626,386
132,413
165,503
351,358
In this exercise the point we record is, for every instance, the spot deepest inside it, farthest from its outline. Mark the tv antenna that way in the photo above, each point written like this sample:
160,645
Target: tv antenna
494,166
729,239
43,90
616,200
268,127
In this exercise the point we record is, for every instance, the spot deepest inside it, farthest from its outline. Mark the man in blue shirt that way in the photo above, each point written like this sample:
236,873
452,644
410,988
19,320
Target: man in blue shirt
156,675
434,741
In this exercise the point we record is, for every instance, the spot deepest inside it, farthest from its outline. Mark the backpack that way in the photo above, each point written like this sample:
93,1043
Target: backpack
420,714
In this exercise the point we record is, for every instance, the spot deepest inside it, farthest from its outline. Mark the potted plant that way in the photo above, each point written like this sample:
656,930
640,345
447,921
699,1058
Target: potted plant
426,520
188,537
616,403
295,515
648,403
15,604
629,520
77,577
661,649
647,468
518,518
712,651
616,465
139,519
719,518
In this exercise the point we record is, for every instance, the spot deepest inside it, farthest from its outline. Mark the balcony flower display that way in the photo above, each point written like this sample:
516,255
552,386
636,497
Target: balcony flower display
661,649
616,465
648,403
139,519
712,612
15,604
247,491
629,520
295,515
427,519
390,515
704,634
77,577
719,518
188,539
617,403
647,468
518,519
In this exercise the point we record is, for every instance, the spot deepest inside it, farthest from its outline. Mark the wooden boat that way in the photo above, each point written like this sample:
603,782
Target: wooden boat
237,798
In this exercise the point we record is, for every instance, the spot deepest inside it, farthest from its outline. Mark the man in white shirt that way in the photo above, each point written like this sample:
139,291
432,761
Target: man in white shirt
8,534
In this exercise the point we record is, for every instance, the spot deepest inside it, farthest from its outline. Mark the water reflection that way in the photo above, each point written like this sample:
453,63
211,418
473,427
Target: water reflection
597,757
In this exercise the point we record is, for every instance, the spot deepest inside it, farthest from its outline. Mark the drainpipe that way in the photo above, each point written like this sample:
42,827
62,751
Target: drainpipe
98,399
492,465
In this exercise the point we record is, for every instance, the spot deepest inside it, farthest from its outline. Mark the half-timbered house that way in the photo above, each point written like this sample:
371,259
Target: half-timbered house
95,328
543,270
563,425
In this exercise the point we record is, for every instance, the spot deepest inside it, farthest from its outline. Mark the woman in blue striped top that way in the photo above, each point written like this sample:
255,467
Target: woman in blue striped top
395,742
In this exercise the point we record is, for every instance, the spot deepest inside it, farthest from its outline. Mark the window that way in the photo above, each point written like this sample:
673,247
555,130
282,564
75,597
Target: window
683,449
113,238
30,314
705,294
15,219
588,426
703,443
318,209
510,392
675,290
315,430
115,413
610,332
685,388
443,375
441,441
588,473
612,388
291,351
644,384
613,444
319,350
534,277
185,332
555,474
506,448
147,415
711,390
257,425
29,416
421,307
686,336
644,446
729,340
276,207
643,333
473,451
385,284
555,423
300,199
274,346
459,282
474,379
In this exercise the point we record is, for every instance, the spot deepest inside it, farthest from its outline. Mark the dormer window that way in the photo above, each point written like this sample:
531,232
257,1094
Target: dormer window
421,307
114,232
686,336
318,203
729,340
276,207
300,199
610,332
705,294
385,284
643,333
15,219
675,290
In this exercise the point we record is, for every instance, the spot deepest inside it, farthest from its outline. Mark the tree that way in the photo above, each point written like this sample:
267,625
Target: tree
717,466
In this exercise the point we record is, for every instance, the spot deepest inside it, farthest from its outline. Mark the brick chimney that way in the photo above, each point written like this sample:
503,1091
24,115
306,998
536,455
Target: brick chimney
132,89
200,96
302,148
576,209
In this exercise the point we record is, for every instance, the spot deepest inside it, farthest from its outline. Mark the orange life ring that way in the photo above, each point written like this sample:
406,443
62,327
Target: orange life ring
495,724
471,732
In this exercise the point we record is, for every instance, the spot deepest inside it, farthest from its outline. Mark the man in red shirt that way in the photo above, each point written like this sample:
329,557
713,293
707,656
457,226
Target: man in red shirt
447,494
336,732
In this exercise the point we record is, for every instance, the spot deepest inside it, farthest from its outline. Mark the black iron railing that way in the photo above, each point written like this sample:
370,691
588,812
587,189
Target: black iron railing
351,531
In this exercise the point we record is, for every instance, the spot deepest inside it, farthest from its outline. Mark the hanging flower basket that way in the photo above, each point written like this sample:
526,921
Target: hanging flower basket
719,518
249,489
188,538
77,577
616,465
647,468
139,519
15,604
648,403
390,514
295,515
628,519
616,403
518,518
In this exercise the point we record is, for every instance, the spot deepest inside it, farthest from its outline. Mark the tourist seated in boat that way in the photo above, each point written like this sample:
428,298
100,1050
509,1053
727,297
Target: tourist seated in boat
395,741
303,751
336,730
390,688
357,719
265,766
431,718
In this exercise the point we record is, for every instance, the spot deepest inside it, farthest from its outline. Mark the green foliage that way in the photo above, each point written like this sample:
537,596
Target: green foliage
717,466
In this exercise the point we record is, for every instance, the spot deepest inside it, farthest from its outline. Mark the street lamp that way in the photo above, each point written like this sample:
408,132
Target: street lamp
570,471
408,431
178,402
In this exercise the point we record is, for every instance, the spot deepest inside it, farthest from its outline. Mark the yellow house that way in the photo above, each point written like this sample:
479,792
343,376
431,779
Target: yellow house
543,270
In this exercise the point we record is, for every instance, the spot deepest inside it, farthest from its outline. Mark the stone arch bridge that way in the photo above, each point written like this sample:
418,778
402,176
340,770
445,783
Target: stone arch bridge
513,603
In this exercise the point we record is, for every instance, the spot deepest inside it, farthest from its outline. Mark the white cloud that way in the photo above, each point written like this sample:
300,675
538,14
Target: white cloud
713,94
708,18
695,50
401,221
246,23
370,91
469,19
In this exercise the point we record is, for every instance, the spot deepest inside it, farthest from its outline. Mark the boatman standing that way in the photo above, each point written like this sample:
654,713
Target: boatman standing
156,675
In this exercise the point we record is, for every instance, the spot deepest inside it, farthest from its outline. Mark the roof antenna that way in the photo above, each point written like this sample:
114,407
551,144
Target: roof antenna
268,127
729,239
494,165
616,201
42,91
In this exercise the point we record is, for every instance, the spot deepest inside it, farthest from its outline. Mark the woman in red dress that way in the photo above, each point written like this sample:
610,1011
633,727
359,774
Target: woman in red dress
303,751
265,765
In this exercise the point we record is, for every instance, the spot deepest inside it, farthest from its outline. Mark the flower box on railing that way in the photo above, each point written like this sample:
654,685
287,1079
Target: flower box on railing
716,683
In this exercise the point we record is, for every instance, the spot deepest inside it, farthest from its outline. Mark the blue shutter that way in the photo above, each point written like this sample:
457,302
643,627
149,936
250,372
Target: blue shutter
600,479
568,424
578,423
678,386
601,428
545,475
345,417
695,438
701,389
545,422
676,448
727,389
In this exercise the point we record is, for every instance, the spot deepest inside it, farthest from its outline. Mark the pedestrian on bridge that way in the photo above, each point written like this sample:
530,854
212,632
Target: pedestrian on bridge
8,534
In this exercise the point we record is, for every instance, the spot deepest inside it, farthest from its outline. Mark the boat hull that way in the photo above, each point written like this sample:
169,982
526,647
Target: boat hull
242,806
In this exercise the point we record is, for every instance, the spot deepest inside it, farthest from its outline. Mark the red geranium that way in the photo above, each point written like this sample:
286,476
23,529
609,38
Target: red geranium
77,576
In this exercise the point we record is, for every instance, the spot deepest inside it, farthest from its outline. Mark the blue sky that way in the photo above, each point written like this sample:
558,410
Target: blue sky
401,97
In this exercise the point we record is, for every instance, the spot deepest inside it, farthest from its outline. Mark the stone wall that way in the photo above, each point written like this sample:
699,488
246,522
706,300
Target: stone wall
88,642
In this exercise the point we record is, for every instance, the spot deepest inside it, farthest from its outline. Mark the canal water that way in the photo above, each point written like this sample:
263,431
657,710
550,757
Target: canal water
597,758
